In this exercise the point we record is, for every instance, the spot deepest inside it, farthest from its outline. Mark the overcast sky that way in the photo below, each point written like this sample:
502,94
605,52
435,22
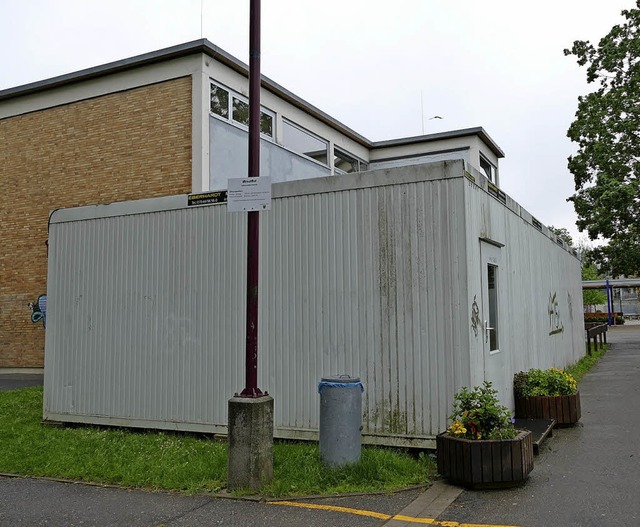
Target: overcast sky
368,63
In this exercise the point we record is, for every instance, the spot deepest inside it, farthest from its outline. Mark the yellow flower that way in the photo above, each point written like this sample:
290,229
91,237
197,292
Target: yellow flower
457,429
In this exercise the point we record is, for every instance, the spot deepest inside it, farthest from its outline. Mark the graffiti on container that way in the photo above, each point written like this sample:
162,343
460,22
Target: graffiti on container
570,304
39,310
555,324
475,316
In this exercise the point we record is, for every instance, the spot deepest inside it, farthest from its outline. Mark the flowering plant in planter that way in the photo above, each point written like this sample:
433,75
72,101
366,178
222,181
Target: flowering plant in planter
477,414
481,448
547,394
550,382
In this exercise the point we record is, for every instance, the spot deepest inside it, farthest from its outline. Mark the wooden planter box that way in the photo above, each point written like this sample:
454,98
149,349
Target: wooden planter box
565,409
485,463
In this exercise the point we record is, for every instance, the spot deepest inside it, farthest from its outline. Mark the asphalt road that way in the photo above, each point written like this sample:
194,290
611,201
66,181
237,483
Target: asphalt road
41,502
13,381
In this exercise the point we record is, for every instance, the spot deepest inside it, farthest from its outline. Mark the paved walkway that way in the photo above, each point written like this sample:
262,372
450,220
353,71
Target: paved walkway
585,476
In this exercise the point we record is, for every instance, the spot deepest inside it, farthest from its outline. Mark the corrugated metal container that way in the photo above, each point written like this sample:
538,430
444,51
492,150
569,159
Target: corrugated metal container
373,275
539,290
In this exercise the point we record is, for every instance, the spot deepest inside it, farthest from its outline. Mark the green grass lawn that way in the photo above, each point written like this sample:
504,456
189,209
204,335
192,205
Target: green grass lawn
159,460
582,367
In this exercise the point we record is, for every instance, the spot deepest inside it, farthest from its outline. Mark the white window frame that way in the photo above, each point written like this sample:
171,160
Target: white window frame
493,176
233,94
361,163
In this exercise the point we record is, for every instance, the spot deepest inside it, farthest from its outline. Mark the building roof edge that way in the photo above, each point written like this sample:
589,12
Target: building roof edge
208,48
450,134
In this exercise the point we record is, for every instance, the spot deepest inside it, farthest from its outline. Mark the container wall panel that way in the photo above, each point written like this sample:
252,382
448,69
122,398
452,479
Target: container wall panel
366,283
142,325
541,302
361,275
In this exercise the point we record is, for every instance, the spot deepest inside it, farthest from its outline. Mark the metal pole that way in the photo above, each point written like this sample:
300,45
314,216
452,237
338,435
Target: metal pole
609,304
253,226
620,299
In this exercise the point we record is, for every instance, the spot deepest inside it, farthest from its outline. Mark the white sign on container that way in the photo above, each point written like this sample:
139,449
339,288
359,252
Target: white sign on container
249,194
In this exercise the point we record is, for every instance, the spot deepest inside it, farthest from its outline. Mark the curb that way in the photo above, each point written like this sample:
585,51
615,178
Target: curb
221,494
429,505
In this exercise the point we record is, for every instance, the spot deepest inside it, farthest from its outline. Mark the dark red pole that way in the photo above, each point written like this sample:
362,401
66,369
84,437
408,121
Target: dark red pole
253,228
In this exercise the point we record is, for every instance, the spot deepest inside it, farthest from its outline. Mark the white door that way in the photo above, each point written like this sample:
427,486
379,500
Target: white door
492,308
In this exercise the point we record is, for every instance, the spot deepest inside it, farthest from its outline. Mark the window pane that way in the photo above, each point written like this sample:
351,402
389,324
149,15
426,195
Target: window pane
344,162
219,101
492,272
487,168
240,111
266,124
304,143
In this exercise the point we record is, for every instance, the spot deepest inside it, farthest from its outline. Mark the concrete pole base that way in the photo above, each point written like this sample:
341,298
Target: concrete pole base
250,442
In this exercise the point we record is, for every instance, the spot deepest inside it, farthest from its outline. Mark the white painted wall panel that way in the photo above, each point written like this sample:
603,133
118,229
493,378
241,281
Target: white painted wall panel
229,158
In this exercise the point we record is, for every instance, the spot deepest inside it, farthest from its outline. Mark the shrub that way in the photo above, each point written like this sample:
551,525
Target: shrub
603,318
477,414
549,382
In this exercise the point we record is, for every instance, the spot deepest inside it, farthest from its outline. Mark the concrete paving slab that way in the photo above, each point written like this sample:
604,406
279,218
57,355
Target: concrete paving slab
429,505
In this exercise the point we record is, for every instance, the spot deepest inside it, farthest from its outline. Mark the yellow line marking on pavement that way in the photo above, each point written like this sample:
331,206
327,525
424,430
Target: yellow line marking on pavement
334,508
381,516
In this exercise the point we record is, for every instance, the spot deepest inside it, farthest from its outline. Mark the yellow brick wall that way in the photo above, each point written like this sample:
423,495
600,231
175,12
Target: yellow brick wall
124,146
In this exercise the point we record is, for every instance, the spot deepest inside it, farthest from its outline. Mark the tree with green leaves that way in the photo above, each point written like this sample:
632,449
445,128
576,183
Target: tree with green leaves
592,297
563,234
606,168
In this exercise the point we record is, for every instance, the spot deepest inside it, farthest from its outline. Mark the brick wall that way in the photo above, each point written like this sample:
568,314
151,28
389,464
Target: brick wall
124,146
